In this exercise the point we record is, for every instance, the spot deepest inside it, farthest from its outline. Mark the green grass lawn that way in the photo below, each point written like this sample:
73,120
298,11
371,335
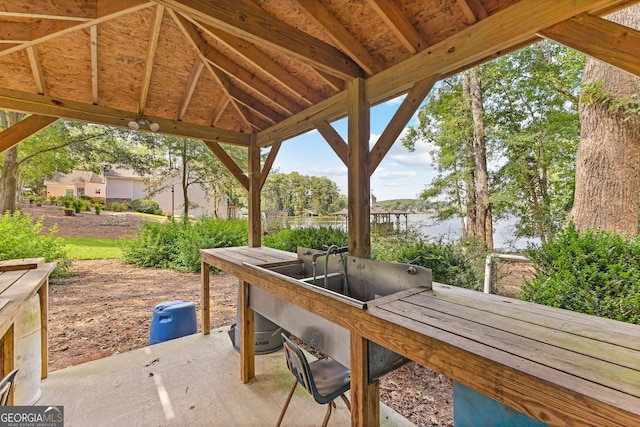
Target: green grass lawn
92,248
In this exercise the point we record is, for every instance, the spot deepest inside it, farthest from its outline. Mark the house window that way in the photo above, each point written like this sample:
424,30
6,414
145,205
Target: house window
97,191
69,193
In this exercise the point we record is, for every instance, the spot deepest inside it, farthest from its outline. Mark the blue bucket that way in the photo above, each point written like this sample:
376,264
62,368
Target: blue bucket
172,319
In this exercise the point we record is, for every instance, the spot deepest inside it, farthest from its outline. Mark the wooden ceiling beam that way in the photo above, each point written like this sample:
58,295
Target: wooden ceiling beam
219,110
223,63
23,32
254,121
196,71
93,35
262,29
399,121
333,138
151,54
60,9
251,53
268,164
473,10
317,13
399,24
22,130
106,10
515,26
228,162
72,110
601,39
247,100
203,49
36,69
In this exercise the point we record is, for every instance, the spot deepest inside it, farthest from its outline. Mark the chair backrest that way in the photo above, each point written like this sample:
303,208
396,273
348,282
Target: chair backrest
298,364
5,387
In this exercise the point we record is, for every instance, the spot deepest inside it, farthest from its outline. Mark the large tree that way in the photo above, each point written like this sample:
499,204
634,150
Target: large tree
607,192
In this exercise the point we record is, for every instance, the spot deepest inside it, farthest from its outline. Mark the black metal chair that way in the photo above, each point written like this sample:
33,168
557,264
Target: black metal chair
324,379
6,385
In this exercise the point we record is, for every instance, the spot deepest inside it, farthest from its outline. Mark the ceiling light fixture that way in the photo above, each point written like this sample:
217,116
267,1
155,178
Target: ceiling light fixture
142,121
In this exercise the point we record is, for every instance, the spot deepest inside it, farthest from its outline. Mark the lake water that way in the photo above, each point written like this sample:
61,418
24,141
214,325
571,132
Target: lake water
449,230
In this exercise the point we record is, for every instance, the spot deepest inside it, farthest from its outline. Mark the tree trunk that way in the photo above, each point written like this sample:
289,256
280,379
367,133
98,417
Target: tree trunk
469,229
484,226
607,193
9,179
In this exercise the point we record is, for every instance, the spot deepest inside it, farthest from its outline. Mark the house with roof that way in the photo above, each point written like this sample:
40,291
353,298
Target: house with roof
118,184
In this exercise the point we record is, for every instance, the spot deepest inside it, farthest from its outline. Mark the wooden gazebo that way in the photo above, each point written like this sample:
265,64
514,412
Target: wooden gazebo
254,73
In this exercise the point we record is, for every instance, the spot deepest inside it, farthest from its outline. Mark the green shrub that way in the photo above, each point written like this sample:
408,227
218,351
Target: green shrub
146,206
67,202
307,237
80,205
176,245
98,208
594,272
118,207
21,238
448,262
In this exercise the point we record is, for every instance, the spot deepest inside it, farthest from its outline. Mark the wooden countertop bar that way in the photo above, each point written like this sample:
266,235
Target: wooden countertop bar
20,280
560,367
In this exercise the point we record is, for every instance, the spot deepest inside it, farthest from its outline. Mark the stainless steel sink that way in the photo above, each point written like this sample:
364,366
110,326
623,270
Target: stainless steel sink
366,280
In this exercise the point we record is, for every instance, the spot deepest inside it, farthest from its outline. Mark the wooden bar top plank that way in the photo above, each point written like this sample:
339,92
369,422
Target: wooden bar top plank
598,328
21,264
531,388
262,254
8,278
619,355
626,380
21,292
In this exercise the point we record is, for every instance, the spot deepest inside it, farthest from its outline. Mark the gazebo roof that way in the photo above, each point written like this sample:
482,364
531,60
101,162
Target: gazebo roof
224,69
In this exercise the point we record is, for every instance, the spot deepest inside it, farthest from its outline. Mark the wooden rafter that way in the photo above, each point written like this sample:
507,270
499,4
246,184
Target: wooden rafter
228,162
106,10
473,10
93,30
264,63
399,120
219,110
202,48
345,40
246,22
62,9
190,88
231,69
399,24
36,69
333,138
253,120
151,54
24,32
72,110
599,38
247,100
269,163
22,130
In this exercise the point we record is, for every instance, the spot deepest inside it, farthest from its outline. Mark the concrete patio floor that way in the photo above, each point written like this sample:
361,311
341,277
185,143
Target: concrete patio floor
190,381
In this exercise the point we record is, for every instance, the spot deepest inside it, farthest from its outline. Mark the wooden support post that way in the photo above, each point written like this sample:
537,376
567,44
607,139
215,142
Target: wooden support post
247,340
255,217
365,397
43,292
22,130
359,184
206,299
8,354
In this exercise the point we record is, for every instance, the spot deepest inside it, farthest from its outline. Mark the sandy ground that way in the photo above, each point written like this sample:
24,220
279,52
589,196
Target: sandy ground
106,308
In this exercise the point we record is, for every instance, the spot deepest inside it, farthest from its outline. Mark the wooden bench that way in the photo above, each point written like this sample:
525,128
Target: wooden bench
559,367
20,280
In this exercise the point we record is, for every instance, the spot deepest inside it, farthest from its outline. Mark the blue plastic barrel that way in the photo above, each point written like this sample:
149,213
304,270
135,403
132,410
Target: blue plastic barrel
172,319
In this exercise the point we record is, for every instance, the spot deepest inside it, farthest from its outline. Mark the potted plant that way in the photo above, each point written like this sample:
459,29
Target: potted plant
68,203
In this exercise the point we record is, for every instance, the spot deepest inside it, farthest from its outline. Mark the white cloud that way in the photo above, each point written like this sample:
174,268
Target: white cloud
396,101
317,171
395,174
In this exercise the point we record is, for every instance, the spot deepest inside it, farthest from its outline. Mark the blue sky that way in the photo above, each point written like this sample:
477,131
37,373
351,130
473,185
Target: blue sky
401,175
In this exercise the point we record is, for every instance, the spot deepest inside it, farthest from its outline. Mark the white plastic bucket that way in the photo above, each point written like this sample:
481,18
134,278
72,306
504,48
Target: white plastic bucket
28,354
